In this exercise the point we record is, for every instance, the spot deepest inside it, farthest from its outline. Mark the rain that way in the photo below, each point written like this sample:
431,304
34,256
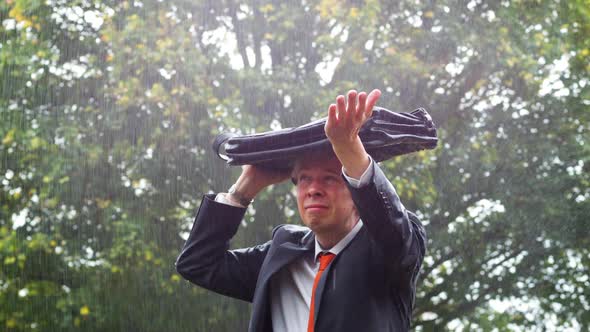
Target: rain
108,112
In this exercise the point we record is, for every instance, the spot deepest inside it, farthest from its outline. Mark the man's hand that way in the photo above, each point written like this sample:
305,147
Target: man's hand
255,178
345,119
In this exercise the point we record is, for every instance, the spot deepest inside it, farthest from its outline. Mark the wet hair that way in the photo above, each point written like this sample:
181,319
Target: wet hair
309,156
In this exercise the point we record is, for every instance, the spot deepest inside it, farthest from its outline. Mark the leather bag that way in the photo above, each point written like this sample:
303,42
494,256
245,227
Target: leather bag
384,135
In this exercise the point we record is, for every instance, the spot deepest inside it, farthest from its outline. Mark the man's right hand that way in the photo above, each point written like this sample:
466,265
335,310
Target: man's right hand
255,178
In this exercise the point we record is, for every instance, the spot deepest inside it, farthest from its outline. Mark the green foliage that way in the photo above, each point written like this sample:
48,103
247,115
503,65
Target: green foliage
108,108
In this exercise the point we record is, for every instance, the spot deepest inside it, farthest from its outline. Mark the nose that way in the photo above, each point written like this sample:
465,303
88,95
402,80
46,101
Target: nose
315,189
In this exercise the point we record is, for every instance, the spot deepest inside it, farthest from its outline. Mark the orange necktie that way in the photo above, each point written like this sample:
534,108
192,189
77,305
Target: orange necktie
325,259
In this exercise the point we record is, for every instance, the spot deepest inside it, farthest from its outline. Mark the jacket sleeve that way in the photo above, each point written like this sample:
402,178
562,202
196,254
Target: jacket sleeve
206,259
396,232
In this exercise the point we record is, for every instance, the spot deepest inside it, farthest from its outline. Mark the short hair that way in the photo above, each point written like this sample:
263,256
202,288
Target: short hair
318,154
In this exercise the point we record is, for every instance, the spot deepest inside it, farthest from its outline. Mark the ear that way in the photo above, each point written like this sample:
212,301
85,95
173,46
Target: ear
294,174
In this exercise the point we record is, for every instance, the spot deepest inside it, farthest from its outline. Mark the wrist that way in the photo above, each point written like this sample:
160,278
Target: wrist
239,196
353,157
350,150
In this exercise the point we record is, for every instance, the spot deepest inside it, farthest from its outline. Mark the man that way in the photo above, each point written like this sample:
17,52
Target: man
353,268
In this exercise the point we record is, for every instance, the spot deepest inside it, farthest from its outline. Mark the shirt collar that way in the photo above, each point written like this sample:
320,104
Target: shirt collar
341,244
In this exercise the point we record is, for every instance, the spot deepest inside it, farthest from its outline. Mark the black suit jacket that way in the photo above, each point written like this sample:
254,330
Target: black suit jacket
369,286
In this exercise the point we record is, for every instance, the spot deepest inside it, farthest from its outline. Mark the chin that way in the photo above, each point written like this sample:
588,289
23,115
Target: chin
319,227
313,223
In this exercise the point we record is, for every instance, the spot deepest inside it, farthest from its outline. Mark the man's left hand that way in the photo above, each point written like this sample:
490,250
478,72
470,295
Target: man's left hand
342,128
347,116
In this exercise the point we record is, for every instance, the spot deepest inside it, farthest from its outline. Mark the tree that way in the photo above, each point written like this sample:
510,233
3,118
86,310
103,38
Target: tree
108,108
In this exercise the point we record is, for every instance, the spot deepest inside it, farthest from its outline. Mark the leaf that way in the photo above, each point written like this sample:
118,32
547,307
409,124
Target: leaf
9,137
84,310
9,260
36,143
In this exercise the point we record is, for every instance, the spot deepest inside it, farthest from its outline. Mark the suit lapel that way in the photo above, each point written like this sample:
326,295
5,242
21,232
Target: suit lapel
278,258
322,283
285,253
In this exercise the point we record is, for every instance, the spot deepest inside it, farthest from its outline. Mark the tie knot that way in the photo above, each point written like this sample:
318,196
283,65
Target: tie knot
325,259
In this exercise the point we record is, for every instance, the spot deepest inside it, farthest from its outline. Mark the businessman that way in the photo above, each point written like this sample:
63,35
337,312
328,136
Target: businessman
354,265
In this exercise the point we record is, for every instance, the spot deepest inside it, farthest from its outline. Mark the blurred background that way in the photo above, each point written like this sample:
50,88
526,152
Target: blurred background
108,110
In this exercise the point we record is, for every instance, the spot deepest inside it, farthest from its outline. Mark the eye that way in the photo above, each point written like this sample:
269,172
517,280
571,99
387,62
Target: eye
304,179
331,179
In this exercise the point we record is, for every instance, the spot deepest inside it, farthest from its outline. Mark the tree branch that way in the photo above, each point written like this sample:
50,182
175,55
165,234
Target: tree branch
241,37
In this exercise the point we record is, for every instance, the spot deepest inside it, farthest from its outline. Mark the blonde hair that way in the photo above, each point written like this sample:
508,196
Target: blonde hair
314,155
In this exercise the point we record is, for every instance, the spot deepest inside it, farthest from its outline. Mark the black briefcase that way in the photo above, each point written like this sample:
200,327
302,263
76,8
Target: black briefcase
384,135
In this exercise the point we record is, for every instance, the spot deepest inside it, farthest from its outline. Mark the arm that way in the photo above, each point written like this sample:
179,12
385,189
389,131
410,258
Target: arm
343,125
398,233
205,259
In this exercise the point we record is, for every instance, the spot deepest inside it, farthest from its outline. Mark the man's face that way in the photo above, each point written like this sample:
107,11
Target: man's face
323,200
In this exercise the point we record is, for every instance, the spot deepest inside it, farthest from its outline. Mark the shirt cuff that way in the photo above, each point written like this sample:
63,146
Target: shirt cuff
365,178
221,198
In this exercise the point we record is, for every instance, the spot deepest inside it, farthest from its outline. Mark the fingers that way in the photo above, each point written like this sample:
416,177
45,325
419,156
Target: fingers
351,106
331,122
347,109
361,105
341,107
371,101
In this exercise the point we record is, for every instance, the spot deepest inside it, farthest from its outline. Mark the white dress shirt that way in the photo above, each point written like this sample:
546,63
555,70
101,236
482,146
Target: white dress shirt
291,287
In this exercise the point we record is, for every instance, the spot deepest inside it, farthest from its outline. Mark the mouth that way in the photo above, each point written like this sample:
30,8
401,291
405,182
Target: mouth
315,207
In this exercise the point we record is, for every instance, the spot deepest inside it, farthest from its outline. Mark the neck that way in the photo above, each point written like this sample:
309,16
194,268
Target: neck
329,239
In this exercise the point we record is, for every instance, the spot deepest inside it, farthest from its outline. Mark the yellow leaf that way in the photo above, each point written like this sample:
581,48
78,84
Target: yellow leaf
17,14
11,323
51,203
9,260
36,143
328,8
84,311
429,14
9,138
124,101
267,8
103,203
